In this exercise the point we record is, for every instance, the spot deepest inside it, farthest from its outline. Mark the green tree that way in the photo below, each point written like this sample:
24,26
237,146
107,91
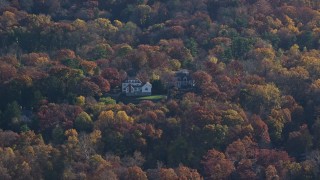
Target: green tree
240,46
57,135
11,116
83,122
107,100
261,98
179,152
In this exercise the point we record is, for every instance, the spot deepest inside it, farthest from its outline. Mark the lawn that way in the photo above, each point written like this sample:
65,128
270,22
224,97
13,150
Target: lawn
154,97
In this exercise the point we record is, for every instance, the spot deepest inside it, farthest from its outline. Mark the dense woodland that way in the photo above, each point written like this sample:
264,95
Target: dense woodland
254,113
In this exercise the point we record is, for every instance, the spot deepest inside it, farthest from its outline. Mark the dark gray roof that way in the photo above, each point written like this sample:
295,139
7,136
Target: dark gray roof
134,85
132,79
183,73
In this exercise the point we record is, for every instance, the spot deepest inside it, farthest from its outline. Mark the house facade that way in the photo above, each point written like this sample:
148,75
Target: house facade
134,87
183,80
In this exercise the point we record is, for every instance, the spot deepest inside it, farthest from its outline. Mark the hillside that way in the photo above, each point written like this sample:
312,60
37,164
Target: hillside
253,111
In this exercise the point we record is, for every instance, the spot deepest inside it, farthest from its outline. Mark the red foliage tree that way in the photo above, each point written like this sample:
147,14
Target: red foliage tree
260,130
112,75
185,173
7,71
53,115
102,83
216,166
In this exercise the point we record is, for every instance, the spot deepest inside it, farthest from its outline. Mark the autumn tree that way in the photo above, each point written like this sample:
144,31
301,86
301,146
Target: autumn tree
7,71
112,75
136,173
216,166
260,130
260,98
299,141
83,122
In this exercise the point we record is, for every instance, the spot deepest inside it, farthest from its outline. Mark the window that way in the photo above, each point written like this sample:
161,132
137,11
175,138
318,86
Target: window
185,80
146,89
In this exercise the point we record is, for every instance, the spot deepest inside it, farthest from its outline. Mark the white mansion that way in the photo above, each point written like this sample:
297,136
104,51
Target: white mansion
134,87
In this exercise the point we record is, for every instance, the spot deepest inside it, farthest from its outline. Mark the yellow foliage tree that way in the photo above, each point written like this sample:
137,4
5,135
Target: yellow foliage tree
122,116
107,116
232,117
80,100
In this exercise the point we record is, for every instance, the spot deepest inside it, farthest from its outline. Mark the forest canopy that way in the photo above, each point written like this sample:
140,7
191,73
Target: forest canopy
253,113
